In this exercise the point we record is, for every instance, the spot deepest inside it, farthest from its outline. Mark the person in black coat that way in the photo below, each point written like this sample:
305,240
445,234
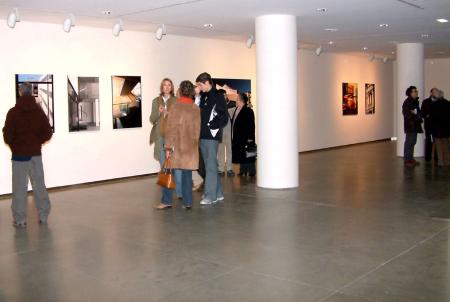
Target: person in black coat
243,135
412,124
440,129
425,112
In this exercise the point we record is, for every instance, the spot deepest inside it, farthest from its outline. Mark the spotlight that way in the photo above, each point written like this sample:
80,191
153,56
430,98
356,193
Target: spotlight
117,28
319,50
13,18
371,57
69,22
385,60
160,32
250,41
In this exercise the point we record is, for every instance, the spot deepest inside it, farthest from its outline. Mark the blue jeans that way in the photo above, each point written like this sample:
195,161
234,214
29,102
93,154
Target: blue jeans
185,188
410,142
177,174
213,187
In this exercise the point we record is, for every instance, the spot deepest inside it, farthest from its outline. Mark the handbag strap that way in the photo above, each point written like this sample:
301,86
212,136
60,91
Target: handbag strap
166,165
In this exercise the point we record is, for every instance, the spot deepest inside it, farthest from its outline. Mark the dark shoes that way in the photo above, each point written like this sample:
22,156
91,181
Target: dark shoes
230,173
20,225
411,163
221,173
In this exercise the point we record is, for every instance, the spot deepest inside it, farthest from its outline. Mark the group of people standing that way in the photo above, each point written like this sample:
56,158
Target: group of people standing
189,128
435,112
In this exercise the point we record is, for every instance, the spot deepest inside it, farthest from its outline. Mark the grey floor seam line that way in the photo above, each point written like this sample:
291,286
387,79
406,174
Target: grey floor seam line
286,279
339,291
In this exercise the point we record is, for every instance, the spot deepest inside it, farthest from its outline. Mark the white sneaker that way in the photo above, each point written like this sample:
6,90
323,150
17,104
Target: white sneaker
220,198
205,202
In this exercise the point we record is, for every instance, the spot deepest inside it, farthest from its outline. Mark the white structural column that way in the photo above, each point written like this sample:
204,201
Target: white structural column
410,72
276,81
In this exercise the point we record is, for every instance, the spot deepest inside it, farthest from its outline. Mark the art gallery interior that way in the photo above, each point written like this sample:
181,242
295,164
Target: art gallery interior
332,215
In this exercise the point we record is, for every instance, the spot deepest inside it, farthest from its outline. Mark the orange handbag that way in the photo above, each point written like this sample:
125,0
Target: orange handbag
166,179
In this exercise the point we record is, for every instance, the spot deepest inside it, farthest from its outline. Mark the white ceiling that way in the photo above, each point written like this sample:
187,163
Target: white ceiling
357,20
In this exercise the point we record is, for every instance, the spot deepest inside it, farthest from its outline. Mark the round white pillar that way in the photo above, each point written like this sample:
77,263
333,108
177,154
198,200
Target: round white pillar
276,81
410,72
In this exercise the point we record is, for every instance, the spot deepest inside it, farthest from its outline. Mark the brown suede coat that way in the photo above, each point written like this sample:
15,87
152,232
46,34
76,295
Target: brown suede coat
182,135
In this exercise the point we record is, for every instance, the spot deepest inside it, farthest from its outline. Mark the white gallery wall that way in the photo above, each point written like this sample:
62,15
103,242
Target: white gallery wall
322,124
72,158
79,157
437,74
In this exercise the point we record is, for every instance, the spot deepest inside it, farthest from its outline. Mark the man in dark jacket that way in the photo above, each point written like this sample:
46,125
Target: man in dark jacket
214,117
412,124
26,129
425,112
440,128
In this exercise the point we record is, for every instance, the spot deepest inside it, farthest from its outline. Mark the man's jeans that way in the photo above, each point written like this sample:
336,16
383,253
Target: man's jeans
410,142
213,187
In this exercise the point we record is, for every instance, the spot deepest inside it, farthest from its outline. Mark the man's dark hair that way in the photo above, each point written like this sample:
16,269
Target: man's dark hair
187,89
244,98
410,90
222,91
203,78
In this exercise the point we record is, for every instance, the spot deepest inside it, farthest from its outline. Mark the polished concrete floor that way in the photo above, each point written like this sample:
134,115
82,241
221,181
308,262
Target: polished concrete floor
360,228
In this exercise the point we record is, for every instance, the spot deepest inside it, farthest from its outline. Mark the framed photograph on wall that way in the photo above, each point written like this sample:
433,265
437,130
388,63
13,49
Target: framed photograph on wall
42,90
84,103
233,87
370,98
127,102
349,98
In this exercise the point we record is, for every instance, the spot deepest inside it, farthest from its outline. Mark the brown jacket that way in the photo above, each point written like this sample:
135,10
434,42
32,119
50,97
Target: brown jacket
182,135
159,123
26,128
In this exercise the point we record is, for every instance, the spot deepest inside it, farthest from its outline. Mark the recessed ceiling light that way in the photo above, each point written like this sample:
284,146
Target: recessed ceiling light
425,35
393,52
442,20
107,12
331,43
332,30
322,9
383,25
208,25
365,48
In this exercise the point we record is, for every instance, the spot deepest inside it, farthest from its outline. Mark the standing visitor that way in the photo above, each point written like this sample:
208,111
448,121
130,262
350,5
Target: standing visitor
225,153
181,142
425,112
26,129
243,135
440,129
214,118
161,106
412,124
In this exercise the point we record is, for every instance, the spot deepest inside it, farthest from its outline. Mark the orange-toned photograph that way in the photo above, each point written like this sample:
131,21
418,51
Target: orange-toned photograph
349,98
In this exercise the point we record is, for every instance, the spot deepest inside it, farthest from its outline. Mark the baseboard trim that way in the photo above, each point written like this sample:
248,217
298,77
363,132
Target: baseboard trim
346,146
89,184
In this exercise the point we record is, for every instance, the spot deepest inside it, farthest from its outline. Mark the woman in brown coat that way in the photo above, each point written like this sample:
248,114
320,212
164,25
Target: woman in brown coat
181,142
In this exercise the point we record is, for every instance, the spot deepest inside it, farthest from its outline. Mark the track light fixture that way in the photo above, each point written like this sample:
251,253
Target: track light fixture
160,32
117,28
319,50
371,57
385,60
13,18
250,41
68,23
